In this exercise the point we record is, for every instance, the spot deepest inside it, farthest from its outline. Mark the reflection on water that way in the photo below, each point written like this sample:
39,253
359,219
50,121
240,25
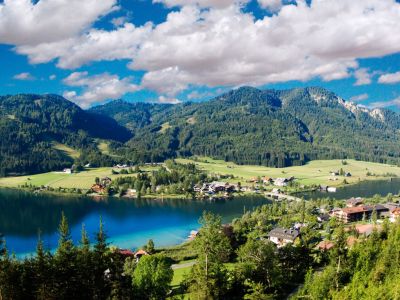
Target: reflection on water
363,189
128,223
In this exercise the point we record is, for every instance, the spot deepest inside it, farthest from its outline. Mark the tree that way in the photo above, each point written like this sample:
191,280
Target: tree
152,277
150,246
208,276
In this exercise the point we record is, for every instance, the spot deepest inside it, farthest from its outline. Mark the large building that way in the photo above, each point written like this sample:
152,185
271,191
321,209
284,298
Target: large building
358,213
282,236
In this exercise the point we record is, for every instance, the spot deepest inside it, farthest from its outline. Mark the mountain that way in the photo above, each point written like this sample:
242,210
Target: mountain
247,125
35,129
271,127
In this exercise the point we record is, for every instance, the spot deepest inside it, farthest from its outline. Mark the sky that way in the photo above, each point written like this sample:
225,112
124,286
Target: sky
172,51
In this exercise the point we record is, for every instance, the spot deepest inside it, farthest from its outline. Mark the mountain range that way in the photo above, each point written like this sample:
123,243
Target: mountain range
247,125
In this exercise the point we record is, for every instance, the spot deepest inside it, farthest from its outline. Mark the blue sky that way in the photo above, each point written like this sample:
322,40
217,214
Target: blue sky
192,50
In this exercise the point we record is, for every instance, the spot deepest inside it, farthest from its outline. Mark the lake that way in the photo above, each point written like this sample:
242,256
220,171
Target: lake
365,189
129,223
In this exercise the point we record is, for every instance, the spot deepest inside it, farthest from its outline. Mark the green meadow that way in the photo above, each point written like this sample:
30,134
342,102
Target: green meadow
314,172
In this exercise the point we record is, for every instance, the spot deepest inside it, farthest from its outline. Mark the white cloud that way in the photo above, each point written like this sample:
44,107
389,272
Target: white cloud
224,46
359,98
95,45
201,3
363,77
167,100
380,104
117,22
24,76
389,78
272,5
23,22
52,77
97,88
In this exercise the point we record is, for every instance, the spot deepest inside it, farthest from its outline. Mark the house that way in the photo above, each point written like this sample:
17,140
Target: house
331,189
281,181
347,174
334,173
281,236
139,254
98,189
323,188
67,171
366,229
394,215
352,214
192,235
87,165
353,202
325,245
125,253
267,180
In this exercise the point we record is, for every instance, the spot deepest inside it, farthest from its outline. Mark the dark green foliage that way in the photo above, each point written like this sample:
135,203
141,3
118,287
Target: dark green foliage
273,128
29,124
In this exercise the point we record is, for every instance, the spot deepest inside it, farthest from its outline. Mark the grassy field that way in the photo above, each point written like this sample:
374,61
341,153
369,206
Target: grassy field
66,150
82,180
315,172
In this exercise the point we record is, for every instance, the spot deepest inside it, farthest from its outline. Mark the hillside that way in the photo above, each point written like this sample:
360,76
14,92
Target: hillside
272,128
41,133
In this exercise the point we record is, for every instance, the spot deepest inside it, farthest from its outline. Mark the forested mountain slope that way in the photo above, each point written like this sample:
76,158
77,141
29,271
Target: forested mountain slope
274,128
31,124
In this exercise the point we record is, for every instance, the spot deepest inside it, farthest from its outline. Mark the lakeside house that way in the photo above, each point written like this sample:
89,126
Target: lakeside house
394,215
98,189
358,213
283,181
138,254
282,236
215,187
67,171
193,235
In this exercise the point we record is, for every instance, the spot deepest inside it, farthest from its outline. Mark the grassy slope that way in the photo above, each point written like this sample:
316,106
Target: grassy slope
316,172
66,150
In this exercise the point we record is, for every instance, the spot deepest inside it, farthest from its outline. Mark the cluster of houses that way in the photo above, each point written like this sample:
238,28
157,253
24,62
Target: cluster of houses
354,211
100,187
214,187
281,181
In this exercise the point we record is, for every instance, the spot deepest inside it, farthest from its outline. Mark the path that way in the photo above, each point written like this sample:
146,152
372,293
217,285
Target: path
182,266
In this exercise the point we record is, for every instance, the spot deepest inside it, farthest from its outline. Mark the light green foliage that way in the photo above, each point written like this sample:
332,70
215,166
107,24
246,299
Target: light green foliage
152,277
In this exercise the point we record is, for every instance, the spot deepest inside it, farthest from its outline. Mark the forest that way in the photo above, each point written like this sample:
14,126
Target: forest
275,128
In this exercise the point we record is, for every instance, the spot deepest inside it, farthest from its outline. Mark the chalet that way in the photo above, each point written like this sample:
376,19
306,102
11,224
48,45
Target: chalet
334,173
125,253
394,215
139,254
267,180
281,236
283,181
192,235
325,245
353,202
353,214
347,174
98,189
67,171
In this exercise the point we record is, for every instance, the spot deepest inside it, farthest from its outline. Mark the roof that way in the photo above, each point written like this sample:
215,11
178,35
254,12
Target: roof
366,228
396,211
282,233
140,253
354,201
125,252
364,208
325,245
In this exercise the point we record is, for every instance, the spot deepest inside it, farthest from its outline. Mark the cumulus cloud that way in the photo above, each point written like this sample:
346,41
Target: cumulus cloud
26,22
201,3
363,77
359,98
24,76
272,5
381,104
389,78
95,45
97,88
224,46
52,76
